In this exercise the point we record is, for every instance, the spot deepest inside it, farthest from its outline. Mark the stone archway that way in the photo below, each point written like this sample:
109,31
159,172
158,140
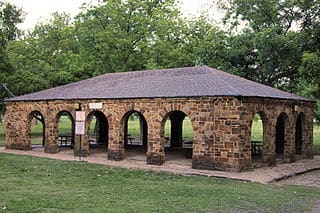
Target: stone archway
36,129
65,129
134,134
135,129
97,130
281,131
178,136
257,135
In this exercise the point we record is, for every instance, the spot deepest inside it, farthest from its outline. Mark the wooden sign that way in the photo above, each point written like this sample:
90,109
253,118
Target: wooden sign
80,128
95,105
80,116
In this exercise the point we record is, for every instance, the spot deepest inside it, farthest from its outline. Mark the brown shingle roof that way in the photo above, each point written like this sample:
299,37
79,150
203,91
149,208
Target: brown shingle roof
177,82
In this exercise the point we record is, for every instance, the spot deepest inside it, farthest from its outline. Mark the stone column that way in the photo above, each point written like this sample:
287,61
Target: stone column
17,135
155,150
85,151
18,127
202,157
269,132
289,145
116,142
84,145
51,132
307,145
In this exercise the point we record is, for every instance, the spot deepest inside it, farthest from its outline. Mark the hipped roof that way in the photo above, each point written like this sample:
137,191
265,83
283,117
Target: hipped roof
200,81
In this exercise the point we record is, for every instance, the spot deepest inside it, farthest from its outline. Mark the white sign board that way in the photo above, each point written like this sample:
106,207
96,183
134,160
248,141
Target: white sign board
80,116
80,128
95,105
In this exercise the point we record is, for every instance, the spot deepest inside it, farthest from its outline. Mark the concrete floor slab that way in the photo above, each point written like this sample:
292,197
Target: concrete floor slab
178,164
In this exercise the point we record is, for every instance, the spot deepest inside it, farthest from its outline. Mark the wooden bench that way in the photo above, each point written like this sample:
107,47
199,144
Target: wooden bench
187,147
66,140
256,147
128,139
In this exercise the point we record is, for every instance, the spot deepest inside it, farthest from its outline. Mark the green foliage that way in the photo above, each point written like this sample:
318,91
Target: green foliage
260,14
124,34
309,84
316,139
31,184
278,46
257,129
43,59
10,16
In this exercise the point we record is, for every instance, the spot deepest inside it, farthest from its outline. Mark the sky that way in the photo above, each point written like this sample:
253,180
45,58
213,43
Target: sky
41,10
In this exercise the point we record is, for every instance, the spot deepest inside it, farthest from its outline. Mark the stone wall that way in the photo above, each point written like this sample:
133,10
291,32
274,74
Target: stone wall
269,110
221,127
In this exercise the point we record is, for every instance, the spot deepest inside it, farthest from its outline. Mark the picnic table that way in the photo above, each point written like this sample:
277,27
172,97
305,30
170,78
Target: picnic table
128,139
187,146
66,140
256,147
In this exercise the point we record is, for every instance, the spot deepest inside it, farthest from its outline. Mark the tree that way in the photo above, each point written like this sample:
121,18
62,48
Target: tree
10,16
285,39
111,37
310,78
128,35
45,58
207,44
261,14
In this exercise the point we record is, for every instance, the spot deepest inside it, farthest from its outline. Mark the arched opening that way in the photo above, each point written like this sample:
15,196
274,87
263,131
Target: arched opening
135,134
97,130
178,135
36,128
65,129
257,135
299,134
280,134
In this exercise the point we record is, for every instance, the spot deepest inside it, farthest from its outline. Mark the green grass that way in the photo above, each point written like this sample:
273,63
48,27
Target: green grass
2,135
257,130
30,184
316,139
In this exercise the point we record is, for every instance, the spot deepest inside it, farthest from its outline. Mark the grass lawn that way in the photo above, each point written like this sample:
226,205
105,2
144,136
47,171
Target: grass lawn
30,184
2,135
316,139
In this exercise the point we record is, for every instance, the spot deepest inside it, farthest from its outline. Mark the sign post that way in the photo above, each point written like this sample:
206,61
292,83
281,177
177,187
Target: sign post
80,128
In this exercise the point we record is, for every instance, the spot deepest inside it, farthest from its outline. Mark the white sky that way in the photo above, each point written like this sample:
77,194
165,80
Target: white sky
41,10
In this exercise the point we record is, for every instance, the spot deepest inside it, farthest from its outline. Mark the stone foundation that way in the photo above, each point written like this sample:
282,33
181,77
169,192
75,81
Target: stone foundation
115,155
18,146
51,148
203,162
153,159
